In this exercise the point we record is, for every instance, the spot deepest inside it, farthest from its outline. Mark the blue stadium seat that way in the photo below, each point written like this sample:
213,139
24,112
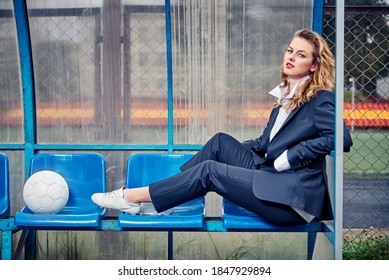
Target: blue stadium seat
143,169
85,175
4,187
237,218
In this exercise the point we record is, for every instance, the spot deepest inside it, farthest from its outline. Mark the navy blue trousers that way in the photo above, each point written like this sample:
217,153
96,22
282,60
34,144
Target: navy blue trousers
226,167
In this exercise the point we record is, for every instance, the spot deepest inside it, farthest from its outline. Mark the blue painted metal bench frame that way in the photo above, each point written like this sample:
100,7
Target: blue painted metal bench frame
186,217
4,186
6,225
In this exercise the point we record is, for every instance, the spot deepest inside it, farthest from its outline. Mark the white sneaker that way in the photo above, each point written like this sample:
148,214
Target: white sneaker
115,200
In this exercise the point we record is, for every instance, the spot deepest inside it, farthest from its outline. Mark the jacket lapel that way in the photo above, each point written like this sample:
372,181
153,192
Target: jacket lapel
272,120
290,116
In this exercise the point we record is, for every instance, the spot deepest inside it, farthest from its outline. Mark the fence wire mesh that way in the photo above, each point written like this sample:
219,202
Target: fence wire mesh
366,111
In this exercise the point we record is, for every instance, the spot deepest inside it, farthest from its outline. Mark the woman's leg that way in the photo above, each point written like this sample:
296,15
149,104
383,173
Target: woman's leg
222,148
231,182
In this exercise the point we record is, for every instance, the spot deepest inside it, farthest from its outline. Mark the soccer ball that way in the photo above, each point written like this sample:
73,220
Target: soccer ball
45,192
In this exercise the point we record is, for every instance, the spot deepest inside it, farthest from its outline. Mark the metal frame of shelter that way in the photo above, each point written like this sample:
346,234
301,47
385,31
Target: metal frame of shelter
30,145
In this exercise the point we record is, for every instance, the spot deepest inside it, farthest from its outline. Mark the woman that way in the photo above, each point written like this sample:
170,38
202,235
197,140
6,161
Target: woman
279,176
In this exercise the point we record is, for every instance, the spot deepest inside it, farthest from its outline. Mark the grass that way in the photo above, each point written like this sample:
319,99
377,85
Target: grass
369,156
240,246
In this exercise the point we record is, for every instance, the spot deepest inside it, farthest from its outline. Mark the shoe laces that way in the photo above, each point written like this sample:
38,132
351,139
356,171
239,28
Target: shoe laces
115,194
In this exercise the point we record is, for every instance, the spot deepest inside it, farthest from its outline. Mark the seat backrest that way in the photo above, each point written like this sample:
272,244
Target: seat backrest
4,186
84,174
143,169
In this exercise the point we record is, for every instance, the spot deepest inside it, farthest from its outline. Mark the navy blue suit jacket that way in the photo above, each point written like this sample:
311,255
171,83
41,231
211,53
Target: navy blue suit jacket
308,135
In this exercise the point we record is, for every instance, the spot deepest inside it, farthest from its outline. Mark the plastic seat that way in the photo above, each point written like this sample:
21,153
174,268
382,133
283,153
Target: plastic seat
143,169
4,187
237,218
85,175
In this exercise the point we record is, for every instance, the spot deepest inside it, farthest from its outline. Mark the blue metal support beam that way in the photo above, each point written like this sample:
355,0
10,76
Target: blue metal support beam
169,63
339,102
211,224
6,228
27,77
317,16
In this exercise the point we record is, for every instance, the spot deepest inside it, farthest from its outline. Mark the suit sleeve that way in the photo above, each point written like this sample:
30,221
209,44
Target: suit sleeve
258,145
313,150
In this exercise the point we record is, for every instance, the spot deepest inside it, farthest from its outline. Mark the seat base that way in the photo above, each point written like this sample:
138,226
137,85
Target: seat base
63,219
187,215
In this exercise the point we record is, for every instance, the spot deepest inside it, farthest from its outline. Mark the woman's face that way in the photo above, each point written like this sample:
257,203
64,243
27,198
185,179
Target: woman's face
298,59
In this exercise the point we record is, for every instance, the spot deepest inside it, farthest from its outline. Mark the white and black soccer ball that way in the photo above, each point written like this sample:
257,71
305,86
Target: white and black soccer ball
45,192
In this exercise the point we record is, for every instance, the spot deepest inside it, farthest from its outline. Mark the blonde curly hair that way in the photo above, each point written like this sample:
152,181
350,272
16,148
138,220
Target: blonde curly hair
321,79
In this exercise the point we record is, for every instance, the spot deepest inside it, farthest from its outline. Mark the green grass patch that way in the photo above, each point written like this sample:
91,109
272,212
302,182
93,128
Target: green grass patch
369,156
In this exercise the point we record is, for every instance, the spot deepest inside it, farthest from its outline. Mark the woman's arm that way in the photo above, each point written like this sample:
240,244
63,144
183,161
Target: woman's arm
315,149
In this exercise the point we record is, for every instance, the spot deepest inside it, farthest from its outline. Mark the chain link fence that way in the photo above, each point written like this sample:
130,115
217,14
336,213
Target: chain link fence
366,111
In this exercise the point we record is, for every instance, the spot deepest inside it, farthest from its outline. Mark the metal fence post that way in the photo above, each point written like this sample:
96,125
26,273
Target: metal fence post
339,129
